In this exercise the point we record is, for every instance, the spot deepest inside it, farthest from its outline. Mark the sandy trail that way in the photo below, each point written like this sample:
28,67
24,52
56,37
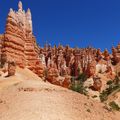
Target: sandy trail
36,100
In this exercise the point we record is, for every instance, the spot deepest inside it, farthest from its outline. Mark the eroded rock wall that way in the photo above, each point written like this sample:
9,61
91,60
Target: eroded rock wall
19,43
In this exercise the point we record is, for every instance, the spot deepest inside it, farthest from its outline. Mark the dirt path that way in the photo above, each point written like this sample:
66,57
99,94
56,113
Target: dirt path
36,100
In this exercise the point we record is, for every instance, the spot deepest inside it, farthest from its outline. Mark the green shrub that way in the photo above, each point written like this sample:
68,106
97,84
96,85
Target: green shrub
117,80
78,87
114,106
103,96
77,83
95,96
82,77
73,79
105,93
110,82
113,85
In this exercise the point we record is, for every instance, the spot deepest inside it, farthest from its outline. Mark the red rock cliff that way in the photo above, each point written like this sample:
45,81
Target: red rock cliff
19,42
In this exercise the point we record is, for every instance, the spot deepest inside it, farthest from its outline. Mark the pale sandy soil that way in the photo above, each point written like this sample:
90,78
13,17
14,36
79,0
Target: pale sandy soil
26,97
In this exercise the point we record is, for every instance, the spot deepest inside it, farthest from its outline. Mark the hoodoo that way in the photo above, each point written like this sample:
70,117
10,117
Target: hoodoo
19,43
58,65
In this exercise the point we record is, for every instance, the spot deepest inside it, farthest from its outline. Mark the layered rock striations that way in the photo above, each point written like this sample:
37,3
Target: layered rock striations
1,45
71,62
19,42
56,64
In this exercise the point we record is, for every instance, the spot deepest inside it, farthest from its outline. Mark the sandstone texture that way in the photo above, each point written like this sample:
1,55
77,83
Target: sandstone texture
56,64
26,97
72,62
11,68
19,43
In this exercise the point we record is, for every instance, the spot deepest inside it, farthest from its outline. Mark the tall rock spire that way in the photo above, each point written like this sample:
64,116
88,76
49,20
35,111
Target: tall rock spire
29,20
11,12
19,41
20,5
29,13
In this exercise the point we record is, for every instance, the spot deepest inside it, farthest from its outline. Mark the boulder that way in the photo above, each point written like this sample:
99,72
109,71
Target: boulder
97,83
11,68
67,82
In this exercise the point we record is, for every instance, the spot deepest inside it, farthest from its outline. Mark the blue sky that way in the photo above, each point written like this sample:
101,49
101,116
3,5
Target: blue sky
74,22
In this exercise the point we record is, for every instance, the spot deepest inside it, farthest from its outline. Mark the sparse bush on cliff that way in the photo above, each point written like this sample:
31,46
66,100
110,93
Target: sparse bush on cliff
77,84
117,80
110,82
113,85
105,93
82,77
114,106
79,88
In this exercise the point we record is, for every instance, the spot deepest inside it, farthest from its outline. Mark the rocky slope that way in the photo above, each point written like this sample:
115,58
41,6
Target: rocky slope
24,97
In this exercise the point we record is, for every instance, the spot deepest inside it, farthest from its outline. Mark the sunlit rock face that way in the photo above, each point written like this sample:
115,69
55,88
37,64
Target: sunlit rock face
60,63
19,42
11,68
72,62
1,41
116,55
97,83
